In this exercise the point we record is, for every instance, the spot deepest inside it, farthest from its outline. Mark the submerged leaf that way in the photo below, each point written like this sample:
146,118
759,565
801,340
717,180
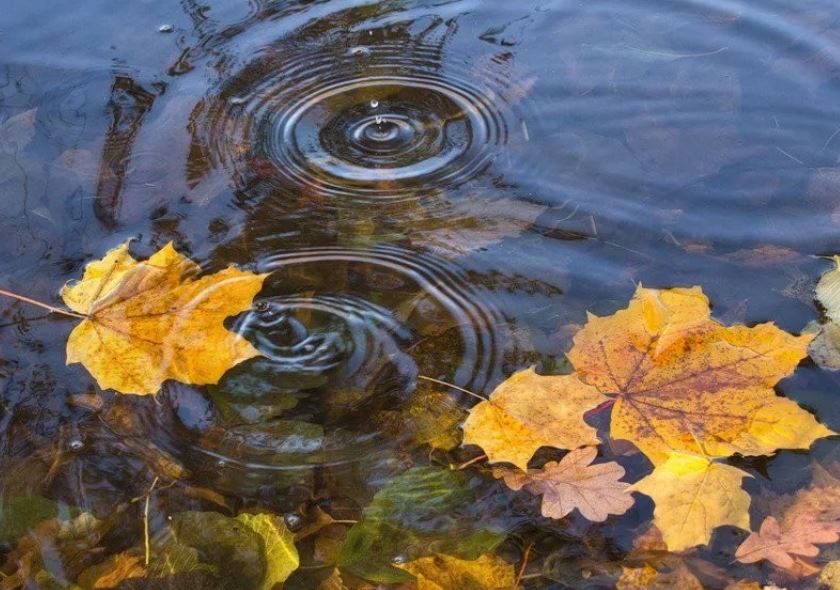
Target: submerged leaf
444,572
684,382
151,321
281,555
17,131
649,578
529,411
423,511
693,496
574,483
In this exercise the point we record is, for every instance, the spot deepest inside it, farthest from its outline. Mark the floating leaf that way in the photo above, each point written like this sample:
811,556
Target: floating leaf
693,496
684,382
151,321
828,291
422,511
529,411
444,572
781,546
574,483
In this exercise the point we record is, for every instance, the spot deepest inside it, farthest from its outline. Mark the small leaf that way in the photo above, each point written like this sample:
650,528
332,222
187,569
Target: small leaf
693,496
17,131
828,291
281,555
529,411
781,546
444,572
649,578
574,483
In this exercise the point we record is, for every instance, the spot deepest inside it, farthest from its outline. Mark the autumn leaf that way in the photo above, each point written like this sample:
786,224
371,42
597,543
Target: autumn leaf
529,411
444,572
146,322
649,578
595,490
780,546
828,291
693,496
281,555
113,571
684,382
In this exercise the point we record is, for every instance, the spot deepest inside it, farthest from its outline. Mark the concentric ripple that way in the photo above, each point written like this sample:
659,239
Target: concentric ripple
348,344
371,124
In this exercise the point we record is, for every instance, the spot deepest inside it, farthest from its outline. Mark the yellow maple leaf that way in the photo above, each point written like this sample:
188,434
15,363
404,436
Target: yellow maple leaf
528,411
444,572
146,322
684,382
693,496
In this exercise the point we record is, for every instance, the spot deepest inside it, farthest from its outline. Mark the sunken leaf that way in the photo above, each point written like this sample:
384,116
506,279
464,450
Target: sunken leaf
154,320
684,382
444,572
574,483
281,555
529,411
693,496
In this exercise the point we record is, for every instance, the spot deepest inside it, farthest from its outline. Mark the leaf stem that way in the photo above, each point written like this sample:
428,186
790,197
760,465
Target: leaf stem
146,542
53,309
524,565
470,462
445,384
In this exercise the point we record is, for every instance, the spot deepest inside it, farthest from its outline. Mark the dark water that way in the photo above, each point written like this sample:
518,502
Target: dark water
442,188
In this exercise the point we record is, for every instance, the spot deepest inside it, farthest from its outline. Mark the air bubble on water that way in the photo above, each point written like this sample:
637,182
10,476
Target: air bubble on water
76,444
237,100
221,464
166,28
399,559
359,51
293,521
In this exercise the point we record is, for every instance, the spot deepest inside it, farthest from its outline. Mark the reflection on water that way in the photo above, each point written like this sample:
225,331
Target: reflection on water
439,188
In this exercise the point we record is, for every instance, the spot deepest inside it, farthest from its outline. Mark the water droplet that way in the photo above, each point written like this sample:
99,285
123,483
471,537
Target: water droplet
166,28
379,120
293,521
399,559
221,464
76,444
374,104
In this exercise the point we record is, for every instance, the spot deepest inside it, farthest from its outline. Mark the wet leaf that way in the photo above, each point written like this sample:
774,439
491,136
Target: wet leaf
828,291
111,572
17,131
423,511
151,321
430,418
281,555
693,496
444,572
574,483
825,347
649,578
684,382
780,546
529,411
19,514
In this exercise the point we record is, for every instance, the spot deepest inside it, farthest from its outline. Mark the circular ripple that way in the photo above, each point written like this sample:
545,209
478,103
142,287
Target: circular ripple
349,356
370,124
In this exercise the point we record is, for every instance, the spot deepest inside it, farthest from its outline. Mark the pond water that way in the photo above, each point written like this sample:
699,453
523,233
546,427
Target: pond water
438,188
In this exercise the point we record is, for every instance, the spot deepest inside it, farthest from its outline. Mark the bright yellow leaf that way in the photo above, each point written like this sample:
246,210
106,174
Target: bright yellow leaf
684,382
693,496
529,411
444,572
151,321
